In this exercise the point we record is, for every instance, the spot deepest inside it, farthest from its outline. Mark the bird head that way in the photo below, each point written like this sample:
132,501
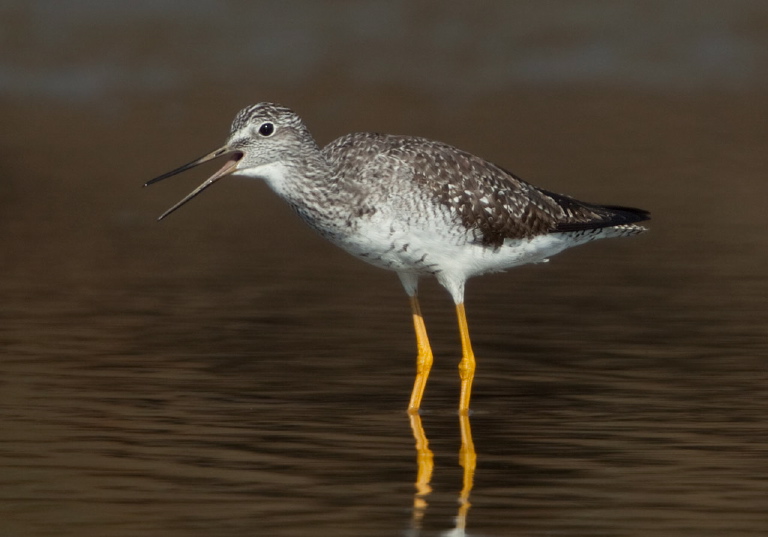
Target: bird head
263,141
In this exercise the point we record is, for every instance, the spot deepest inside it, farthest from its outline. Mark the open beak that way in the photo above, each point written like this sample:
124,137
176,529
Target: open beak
229,167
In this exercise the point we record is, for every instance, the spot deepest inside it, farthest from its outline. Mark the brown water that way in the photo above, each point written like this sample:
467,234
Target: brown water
226,372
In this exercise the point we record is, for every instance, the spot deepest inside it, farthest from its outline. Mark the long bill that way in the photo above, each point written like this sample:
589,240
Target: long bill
229,167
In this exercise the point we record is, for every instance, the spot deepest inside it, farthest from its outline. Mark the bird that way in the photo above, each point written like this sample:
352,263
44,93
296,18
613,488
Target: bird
412,205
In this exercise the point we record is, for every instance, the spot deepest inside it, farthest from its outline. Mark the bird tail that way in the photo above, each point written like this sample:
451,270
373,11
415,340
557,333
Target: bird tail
583,216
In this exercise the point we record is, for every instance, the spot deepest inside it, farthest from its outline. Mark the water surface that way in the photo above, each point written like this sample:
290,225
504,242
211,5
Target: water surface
226,372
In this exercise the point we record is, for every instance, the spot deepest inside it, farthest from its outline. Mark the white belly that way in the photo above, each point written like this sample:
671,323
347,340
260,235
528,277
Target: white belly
425,250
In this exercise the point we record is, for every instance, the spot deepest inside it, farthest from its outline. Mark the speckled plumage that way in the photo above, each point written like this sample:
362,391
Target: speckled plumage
413,205
408,204
492,204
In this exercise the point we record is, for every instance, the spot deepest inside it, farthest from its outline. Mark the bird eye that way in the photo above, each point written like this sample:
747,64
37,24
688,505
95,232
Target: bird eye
266,129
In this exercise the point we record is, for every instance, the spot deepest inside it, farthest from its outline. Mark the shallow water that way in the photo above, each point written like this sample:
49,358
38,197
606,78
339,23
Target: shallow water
226,372
191,408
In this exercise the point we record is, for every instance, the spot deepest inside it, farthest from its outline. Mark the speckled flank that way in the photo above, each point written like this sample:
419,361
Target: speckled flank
490,202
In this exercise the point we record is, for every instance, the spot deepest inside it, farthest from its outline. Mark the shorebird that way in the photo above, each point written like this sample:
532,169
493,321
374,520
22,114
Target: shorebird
415,206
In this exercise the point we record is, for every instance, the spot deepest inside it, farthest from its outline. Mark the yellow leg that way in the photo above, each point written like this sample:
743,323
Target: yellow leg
423,359
467,364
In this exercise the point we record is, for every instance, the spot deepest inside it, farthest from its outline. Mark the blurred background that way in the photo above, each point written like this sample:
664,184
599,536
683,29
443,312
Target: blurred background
227,372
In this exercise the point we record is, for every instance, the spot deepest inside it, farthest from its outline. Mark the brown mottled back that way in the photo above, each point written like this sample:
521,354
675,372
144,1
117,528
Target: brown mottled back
486,197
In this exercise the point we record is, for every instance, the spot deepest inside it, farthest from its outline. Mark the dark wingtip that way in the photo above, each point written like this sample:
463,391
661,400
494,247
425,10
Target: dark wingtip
609,216
631,214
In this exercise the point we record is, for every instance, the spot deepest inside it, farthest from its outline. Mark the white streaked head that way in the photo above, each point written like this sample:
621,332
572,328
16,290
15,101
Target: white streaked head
263,142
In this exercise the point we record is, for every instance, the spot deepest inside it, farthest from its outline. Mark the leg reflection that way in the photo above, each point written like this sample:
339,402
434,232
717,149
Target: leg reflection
425,463
468,461
425,466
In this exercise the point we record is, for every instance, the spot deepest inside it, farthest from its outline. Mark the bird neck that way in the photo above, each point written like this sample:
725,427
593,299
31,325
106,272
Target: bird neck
311,187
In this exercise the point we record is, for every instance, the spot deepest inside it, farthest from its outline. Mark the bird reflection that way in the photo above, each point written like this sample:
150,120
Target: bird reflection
425,467
468,461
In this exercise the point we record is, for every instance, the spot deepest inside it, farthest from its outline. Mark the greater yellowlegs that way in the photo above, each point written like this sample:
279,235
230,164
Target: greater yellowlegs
415,206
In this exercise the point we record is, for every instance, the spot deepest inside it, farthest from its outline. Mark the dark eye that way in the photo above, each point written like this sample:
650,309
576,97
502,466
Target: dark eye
266,129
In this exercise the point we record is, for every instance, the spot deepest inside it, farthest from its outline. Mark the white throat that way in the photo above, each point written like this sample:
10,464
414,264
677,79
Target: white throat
276,175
